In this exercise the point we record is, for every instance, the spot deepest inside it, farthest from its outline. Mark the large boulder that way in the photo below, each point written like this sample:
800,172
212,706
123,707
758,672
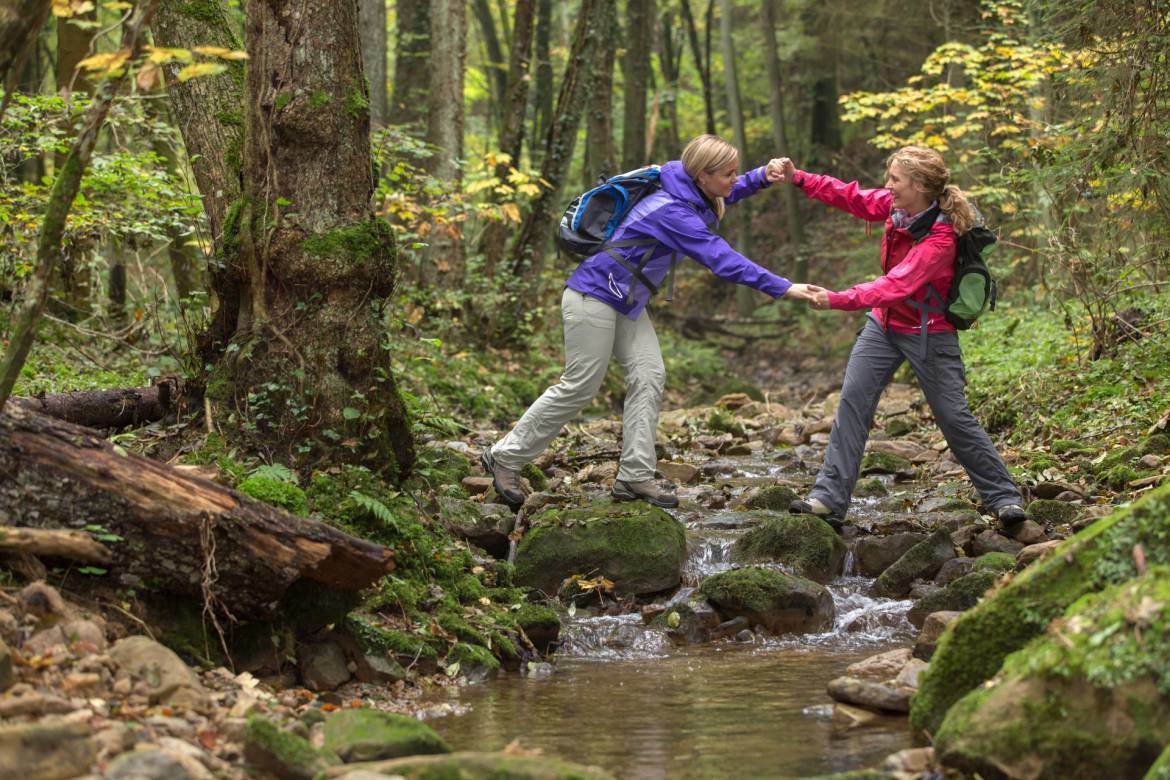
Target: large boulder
640,548
472,766
373,735
484,525
1087,699
957,596
874,554
166,678
974,647
806,543
782,603
920,562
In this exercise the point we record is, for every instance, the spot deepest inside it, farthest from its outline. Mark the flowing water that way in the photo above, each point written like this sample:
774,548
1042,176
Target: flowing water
621,696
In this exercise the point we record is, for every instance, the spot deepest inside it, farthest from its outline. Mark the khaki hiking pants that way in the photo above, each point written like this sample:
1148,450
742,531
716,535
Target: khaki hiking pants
593,333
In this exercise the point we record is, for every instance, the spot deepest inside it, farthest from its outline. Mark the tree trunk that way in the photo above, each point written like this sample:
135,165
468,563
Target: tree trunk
599,151
497,75
780,137
109,408
639,40
667,143
186,535
186,266
73,45
542,118
412,53
20,21
209,114
307,374
495,233
444,264
116,290
372,16
529,247
64,192
703,67
743,295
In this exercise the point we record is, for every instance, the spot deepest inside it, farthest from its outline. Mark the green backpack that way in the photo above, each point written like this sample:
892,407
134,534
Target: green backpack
973,290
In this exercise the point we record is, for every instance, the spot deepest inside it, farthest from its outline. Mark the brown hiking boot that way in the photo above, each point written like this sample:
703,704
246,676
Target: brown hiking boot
506,481
647,491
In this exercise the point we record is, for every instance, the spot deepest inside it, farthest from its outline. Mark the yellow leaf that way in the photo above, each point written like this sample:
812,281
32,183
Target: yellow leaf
222,53
118,5
197,69
511,212
159,54
106,61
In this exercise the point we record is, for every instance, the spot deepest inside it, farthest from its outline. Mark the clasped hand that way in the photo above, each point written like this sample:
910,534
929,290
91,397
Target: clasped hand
817,297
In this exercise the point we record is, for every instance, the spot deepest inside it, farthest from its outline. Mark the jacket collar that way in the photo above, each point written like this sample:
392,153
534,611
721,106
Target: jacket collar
681,186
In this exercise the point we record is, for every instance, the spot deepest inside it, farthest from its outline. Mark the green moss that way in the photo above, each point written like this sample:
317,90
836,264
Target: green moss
319,98
1118,477
781,602
455,624
356,103
871,488
900,425
535,476
957,596
232,118
774,497
874,462
1069,447
353,242
1048,511
806,543
995,562
373,735
375,639
1161,768
287,748
1158,444
922,561
722,421
637,546
974,647
282,100
472,657
468,588
275,492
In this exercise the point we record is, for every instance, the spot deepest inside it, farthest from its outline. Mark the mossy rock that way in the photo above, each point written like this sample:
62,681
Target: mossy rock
485,525
485,766
782,603
1069,447
281,753
900,425
1090,700
1158,444
1161,768
773,497
723,421
373,735
638,547
443,466
1047,511
406,648
874,462
998,562
958,595
541,625
536,478
807,544
874,554
275,492
474,661
871,488
1118,477
920,562
974,647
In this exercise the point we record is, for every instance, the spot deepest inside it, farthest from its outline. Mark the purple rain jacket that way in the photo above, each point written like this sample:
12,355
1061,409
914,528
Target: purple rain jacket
681,219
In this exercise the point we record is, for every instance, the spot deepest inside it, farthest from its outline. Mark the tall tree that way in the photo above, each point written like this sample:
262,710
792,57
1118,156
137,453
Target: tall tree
497,75
412,53
781,139
599,151
742,218
445,131
666,141
702,65
530,244
639,38
542,117
494,237
373,31
73,44
19,22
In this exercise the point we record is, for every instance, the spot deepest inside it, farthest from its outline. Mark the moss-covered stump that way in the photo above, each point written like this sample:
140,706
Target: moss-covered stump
774,497
806,543
1047,511
640,548
779,602
1087,699
476,766
974,647
485,525
957,596
281,753
373,735
920,562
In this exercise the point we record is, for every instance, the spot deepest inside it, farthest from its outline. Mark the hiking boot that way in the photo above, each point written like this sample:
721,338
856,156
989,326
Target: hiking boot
816,508
1010,517
506,481
647,491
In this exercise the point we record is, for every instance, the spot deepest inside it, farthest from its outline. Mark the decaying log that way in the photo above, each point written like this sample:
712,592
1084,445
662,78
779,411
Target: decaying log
110,408
74,545
180,533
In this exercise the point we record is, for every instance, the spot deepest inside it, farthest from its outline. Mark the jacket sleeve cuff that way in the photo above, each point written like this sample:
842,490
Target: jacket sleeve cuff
777,287
838,300
761,174
799,178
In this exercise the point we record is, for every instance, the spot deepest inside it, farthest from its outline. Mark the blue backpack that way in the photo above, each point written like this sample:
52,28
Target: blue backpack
589,223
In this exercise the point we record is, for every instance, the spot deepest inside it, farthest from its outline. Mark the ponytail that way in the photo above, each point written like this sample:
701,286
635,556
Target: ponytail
958,209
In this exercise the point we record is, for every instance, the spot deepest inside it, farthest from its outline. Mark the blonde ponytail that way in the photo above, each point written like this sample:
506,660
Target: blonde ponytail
926,168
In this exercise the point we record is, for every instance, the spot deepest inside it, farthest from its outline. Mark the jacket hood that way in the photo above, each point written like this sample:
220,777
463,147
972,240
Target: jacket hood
678,183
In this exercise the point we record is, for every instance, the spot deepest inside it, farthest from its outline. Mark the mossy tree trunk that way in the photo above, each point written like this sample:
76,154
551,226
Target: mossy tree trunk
639,38
543,99
599,151
307,372
412,53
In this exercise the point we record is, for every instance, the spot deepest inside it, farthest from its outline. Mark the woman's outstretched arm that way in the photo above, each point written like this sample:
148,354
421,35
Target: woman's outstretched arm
870,205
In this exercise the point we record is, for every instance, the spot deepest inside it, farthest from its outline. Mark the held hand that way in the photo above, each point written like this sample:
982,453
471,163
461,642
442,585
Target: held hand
780,169
818,297
800,292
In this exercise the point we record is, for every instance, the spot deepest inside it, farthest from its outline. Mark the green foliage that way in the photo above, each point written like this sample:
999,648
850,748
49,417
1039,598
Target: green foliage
276,492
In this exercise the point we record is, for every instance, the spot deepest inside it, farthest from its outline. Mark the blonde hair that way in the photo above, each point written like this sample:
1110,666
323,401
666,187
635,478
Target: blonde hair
926,168
707,154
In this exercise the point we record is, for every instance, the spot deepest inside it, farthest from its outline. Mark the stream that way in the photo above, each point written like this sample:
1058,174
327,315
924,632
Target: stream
621,696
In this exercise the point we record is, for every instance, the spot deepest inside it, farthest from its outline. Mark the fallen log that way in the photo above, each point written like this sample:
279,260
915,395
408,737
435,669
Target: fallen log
180,533
110,408
74,545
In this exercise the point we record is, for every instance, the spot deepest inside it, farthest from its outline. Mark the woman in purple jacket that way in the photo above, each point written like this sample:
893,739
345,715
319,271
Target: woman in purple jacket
603,309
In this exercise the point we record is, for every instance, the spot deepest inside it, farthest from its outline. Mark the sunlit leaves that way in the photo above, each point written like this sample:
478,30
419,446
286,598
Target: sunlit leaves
222,53
105,63
197,69
67,8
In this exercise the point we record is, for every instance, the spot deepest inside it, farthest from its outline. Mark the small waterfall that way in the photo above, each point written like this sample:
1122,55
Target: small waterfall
848,567
621,637
710,554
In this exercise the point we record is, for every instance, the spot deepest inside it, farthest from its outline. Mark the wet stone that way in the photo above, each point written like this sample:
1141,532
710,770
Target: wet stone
990,541
870,694
883,666
932,628
875,554
1033,552
953,569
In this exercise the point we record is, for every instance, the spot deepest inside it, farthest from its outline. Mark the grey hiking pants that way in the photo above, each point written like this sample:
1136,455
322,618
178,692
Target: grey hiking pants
876,355
593,333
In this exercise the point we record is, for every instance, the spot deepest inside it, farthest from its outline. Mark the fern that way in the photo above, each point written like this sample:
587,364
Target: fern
375,508
276,471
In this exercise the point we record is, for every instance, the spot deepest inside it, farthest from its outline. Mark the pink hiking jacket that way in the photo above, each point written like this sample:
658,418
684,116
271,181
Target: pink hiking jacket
907,267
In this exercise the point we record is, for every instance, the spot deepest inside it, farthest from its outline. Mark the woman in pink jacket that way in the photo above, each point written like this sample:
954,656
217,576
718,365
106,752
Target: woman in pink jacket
923,214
